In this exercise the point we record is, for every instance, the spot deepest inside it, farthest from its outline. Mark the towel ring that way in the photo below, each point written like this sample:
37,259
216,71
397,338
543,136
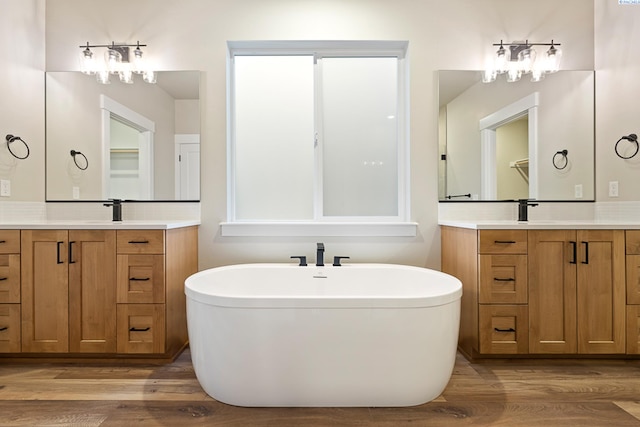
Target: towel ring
632,137
10,139
75,153
562,153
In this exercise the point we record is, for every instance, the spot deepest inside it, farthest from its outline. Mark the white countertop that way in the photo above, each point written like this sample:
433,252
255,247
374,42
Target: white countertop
98,224
542,224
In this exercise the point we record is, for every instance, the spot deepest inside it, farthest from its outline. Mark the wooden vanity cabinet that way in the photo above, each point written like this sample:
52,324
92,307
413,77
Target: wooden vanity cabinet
10,333
576,291
545,291
103,293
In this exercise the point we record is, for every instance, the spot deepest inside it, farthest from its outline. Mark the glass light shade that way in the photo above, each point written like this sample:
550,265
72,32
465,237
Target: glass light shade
489,76
102,76
138,62
113,59
501,62
537,74
513,74
87,63
126,76
526,59
149,76
554,55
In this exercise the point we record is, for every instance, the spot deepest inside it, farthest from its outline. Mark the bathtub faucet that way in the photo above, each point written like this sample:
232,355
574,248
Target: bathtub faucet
320,255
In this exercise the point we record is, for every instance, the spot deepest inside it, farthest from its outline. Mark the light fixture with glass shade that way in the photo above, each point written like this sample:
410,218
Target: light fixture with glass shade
117,61
519,58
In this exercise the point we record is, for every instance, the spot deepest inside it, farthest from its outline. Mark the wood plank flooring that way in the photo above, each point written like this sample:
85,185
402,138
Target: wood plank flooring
488,393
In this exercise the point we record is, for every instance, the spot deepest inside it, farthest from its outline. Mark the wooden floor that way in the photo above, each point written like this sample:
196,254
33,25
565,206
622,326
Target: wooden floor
490,393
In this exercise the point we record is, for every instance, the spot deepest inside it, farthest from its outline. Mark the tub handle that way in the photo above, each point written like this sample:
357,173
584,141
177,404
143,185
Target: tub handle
302,258
504,330
143,279
509,279
336,260
132,329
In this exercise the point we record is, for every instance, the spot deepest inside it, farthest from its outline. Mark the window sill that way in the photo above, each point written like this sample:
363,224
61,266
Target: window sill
339,229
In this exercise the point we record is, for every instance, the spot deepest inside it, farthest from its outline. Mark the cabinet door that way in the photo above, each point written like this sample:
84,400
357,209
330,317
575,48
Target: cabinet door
45,291
552,291
92,291
601,291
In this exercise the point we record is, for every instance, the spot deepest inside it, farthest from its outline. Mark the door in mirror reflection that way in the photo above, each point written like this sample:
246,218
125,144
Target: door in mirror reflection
129,161
512,152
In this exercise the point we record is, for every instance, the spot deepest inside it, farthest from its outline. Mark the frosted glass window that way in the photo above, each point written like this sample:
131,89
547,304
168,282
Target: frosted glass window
317,132
274,137
359,136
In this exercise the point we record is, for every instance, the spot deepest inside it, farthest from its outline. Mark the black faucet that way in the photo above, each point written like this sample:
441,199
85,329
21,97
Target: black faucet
320,255
117,209
523,209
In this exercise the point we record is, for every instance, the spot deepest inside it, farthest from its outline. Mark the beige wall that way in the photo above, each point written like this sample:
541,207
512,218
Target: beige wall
22,41
191,34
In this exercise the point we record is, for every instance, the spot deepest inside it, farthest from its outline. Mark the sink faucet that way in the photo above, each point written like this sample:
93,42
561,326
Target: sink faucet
523,209
320,255
117,209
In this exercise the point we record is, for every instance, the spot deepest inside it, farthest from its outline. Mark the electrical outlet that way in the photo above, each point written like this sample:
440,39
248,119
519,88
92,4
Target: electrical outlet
76,193
5,188
578,191
613,188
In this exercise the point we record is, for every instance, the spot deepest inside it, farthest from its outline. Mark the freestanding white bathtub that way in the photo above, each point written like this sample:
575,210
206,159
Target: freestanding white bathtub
355,335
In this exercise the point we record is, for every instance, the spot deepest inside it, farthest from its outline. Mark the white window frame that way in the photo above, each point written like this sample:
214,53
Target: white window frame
326,226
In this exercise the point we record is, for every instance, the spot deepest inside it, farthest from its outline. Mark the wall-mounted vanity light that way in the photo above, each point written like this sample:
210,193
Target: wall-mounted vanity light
118,60
632,137
518,58
560,159
10,140
74,154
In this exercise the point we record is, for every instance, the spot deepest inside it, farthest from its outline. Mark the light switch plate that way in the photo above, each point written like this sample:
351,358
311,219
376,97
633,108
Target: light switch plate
76,193
613,188
578,191
5,188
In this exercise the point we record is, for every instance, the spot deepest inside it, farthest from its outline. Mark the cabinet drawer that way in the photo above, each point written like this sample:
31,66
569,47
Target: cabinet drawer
10,328
632,238
140,279
140,242
503,279
633,279
9,241
141,328
502,241
10,278
504,329
633,329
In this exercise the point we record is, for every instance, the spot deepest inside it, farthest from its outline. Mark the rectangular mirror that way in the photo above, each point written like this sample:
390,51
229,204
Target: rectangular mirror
513,140
135,141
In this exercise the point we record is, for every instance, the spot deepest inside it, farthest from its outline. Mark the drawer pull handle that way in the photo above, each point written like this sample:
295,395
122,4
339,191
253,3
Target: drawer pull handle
510,279
3,328
504,330
3,241
504,242
139,329
140,279
138,242
573,252
71,261
586,252
3,278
